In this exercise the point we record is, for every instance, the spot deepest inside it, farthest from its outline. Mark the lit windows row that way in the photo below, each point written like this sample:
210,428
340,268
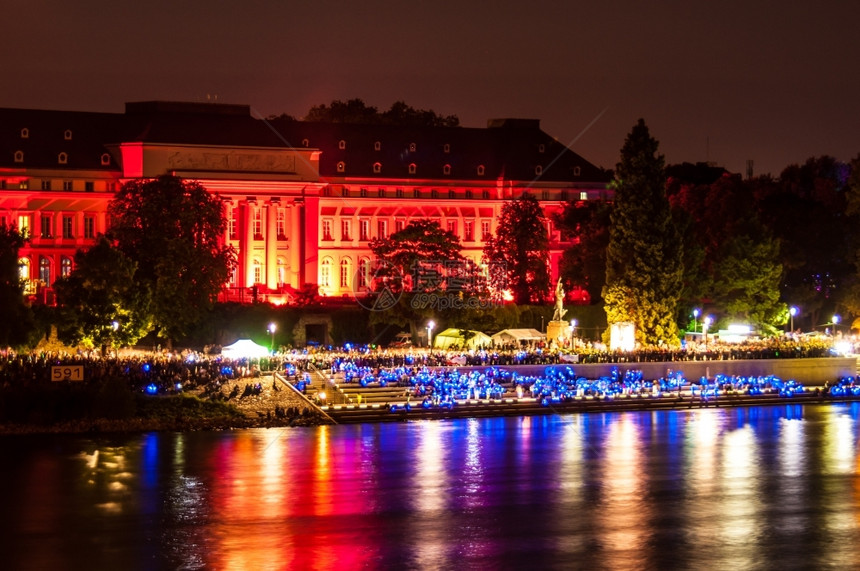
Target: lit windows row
67,134
68,228
347,277
46,270
62,158
413,168
346,192
364,229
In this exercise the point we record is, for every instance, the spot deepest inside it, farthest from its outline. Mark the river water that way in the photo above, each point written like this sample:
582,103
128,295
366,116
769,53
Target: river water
747,488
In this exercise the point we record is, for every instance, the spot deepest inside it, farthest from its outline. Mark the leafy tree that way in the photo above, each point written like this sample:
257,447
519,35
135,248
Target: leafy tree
583,263
172,229
358,112
415,267
518,254
99,302
17,321
643,262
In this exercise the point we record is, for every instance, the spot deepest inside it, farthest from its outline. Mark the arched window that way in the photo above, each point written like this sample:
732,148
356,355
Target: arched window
341,145
63,158
19,156
377,146
341,166
282,271
344,273
105,158
538,170
480,170
258,271
25,133
65,266
446,170
68,135
412,168
377,168
305,143
45,271
363,274
325,273
24,269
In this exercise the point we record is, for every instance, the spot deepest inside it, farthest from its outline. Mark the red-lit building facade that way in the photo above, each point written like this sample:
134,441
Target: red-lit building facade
302,200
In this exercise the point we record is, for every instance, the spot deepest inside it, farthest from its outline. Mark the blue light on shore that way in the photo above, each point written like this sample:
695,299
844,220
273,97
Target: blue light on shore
151,389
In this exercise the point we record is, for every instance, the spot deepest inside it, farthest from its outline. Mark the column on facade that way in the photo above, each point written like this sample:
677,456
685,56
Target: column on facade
295,241
272,243
246,244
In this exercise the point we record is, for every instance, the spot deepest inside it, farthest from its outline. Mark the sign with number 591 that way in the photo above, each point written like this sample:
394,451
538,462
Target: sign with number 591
67,373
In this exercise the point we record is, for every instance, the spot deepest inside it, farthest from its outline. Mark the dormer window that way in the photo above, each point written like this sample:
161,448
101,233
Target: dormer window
377,168
105,158
306,143
541,148
480,170
25,133
577,171
63,158
446,170
19,156
341,166
446,148
341,145
377,146
67,135
538,170
412,168
413,147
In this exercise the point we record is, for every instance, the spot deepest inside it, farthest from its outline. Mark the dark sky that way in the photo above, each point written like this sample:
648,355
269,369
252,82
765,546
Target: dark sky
776,82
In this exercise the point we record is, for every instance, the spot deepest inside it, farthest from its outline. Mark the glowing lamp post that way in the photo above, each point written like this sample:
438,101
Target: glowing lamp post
792,311
271,329
835,324
573,332
430,325
695,320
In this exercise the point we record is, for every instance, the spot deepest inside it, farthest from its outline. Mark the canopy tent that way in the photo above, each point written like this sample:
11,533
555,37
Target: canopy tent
517,336
461,338
244,348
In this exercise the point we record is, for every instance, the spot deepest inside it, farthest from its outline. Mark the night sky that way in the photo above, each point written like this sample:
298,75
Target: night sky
776,82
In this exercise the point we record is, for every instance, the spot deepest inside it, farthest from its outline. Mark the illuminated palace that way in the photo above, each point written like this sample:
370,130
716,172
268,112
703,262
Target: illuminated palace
303,200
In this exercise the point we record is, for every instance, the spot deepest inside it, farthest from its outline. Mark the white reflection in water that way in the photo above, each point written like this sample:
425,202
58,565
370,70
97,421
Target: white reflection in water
840,454
473,473
430,495
623,517
740,521
792,466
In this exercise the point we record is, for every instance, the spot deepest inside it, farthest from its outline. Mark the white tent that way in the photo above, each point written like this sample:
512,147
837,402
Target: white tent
244,348
454,337
515,336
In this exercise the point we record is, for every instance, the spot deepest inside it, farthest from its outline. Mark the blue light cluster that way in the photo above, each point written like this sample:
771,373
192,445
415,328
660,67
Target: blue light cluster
846,386
563,384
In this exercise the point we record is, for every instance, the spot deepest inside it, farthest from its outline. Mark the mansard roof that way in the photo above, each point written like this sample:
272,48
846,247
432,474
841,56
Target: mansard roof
509,149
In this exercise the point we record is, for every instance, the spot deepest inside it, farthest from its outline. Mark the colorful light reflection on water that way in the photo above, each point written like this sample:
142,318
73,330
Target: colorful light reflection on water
769,487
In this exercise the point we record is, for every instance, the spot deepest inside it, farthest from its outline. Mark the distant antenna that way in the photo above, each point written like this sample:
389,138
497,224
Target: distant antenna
749,168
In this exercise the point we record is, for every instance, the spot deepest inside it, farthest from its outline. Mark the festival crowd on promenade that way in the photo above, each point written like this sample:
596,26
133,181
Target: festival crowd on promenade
172,372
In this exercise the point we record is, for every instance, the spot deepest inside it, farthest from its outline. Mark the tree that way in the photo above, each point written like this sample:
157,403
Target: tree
356,111
17,321
99,301
518,254
172,229
583,263
422,273
643,260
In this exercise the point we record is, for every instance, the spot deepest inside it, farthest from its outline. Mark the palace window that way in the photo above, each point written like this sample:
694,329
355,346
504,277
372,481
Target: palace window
469,226
89,186
63,158
67,185
46,185
25,133
446,148
232,222
434,193
341,145
281,224
68,227
89,227
67,135
344,273
24,225
577,171
468,193
105,159
325,273
362,192
326,229
481,170
377,146
258,223
583,195
364,229
412,167
398,193
363,274
485,194
45,271
19,156
341,166
485,230
346,229
47,226
416,193
452,227
452,193
446,170
380,193
399,225
258,271
538,170
377,168
282,271
382,229
65,266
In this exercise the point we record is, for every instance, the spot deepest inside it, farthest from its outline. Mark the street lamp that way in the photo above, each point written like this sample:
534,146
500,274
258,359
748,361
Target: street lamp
430,325
792,311
572,331
271,330
835,324
695,319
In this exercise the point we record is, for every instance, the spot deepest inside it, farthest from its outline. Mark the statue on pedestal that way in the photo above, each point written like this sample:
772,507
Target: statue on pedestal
559,302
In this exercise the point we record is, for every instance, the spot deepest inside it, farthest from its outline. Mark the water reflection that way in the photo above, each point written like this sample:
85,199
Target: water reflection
737,488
